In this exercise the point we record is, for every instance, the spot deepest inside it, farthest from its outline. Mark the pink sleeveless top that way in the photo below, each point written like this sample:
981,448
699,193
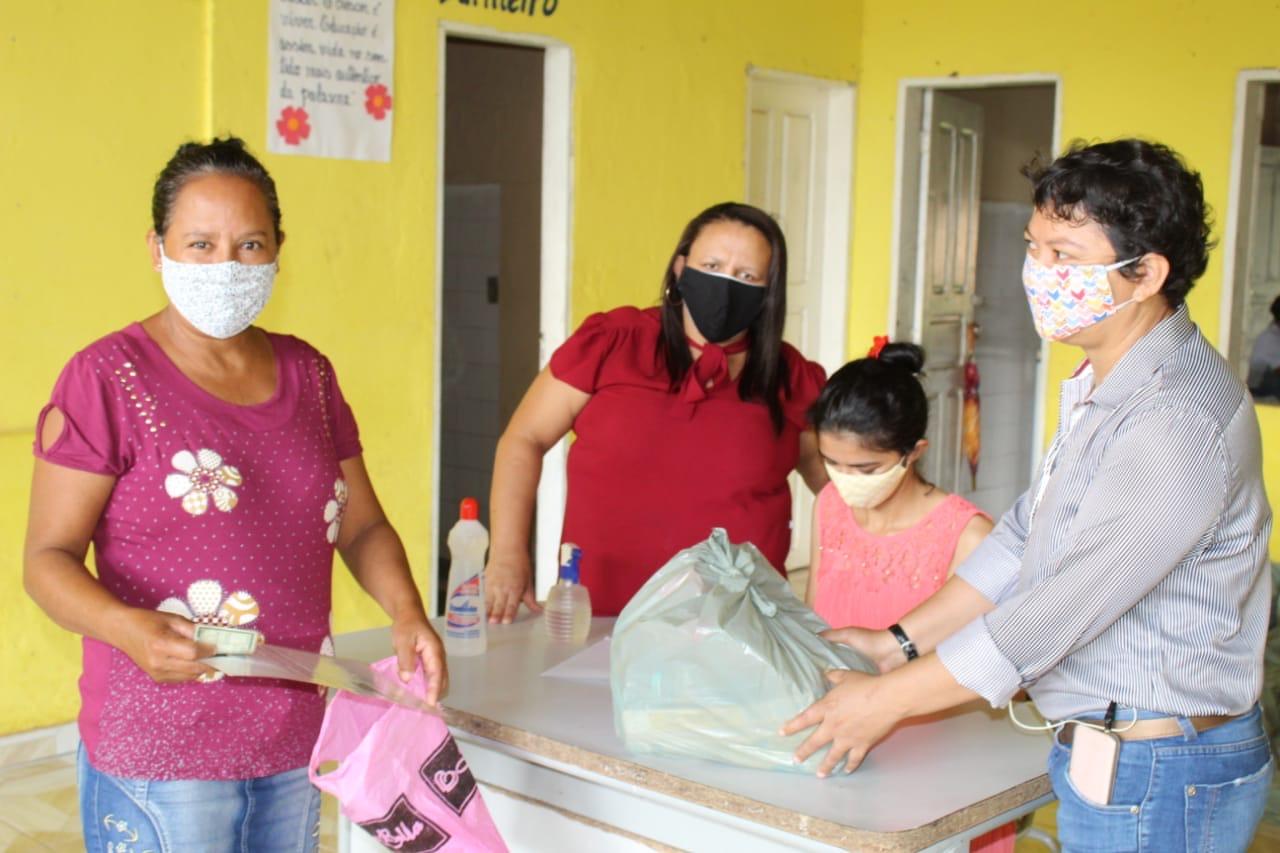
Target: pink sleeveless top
872,581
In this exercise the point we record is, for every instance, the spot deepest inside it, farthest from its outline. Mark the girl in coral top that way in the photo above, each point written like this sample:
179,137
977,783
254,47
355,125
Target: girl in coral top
884,539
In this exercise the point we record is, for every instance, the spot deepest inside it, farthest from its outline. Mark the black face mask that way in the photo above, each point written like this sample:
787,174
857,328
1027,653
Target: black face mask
720,306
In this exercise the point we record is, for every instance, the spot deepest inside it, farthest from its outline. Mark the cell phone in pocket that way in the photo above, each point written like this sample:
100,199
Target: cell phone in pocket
1094,757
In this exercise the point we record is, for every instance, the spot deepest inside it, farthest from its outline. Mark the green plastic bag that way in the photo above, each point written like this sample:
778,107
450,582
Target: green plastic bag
714,654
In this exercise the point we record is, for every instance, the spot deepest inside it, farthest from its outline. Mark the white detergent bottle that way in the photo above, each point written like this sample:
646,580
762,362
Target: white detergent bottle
567,613
464,626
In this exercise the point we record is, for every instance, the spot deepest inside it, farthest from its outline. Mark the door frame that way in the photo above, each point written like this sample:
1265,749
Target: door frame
554,269
908,249
837,210
1248,86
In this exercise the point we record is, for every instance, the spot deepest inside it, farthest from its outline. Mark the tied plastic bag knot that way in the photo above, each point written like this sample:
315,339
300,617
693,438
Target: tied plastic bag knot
731,566
714,653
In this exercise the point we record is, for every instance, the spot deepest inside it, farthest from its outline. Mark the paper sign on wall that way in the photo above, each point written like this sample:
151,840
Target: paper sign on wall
330,82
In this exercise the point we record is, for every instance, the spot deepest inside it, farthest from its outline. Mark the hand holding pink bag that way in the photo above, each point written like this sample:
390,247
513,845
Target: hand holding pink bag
400,774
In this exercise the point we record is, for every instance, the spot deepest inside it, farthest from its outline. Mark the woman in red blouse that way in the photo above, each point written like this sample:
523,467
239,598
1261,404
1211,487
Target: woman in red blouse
686,416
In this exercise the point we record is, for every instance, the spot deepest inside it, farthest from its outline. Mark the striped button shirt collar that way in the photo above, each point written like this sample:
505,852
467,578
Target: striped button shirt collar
1075,391
1078,395
1144,359
1073,397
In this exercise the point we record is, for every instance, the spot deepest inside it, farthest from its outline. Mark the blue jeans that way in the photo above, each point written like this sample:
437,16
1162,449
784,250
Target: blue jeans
274,814
1198,791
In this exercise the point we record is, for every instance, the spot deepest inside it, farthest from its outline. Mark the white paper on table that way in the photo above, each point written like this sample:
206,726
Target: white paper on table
590,664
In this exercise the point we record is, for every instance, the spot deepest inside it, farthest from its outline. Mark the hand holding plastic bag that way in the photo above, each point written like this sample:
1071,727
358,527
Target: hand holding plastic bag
714,653
400,774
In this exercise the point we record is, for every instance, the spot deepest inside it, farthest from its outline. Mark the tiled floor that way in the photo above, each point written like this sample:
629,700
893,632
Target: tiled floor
39,813
38,809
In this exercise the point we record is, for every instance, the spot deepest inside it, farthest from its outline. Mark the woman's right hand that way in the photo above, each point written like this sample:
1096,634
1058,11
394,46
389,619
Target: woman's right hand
162,644
878,646
507,583
544,416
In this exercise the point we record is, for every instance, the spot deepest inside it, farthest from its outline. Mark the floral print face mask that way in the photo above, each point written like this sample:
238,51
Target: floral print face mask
1068,298
221,300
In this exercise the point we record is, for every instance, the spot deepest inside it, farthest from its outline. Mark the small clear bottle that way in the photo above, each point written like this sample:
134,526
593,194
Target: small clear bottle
464,625
567,613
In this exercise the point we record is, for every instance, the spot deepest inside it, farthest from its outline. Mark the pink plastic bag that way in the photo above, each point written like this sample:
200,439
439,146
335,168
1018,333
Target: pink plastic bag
400,774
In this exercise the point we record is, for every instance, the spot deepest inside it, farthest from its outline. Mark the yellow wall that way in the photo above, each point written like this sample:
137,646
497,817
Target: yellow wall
1133,68
87,124
104,92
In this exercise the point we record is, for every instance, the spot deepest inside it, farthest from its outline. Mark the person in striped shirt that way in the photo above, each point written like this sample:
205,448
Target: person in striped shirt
1128,588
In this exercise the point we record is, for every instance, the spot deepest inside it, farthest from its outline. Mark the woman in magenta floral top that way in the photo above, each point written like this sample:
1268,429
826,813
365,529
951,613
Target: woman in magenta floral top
214,467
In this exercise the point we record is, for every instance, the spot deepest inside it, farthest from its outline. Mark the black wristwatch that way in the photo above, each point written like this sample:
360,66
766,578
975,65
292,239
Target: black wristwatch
908,647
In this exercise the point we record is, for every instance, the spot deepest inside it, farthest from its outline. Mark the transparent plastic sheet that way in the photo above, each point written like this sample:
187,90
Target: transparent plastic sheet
714,653
340,673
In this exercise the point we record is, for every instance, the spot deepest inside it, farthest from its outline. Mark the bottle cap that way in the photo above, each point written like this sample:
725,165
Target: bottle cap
570,558
470,510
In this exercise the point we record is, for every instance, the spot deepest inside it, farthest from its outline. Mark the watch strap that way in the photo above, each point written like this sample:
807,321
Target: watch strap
908,647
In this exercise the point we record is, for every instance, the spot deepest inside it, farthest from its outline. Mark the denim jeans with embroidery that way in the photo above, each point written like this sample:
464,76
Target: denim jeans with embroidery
273,814
1197,791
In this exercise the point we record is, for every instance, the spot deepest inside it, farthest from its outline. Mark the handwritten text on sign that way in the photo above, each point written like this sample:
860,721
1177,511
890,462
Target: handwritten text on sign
330,83
546,8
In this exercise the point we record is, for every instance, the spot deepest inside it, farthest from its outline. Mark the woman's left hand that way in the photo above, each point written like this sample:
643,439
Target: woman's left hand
849,717
861,710
415,640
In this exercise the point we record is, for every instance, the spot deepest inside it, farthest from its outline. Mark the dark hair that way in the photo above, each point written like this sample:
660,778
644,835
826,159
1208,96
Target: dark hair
880,400
762,378
1143,196
1275,310
219,157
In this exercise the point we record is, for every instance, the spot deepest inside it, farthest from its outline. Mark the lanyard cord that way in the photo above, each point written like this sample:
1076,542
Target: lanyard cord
1105,727
1050,463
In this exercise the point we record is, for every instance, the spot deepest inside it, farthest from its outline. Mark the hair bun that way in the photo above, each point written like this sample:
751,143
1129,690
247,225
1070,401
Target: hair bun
909,357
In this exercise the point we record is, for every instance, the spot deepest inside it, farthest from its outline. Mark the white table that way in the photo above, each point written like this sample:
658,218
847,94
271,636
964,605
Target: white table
556,777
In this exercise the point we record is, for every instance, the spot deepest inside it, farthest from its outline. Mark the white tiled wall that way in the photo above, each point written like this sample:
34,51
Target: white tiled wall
1008,352
470,363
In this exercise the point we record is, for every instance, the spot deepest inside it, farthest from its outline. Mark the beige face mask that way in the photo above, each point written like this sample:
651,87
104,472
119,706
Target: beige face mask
867,491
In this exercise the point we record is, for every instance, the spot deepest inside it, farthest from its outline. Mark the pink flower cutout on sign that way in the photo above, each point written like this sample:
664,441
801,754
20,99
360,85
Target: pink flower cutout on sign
377,100
293,125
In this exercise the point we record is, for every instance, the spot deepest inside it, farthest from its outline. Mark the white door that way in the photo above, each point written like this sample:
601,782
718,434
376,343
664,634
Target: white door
797,171
1263,274
951,172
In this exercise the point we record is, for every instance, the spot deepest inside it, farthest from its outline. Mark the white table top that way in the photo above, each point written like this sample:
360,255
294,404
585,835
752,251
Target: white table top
930,779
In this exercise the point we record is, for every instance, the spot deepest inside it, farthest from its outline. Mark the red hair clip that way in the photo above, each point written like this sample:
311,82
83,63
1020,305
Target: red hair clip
877,344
